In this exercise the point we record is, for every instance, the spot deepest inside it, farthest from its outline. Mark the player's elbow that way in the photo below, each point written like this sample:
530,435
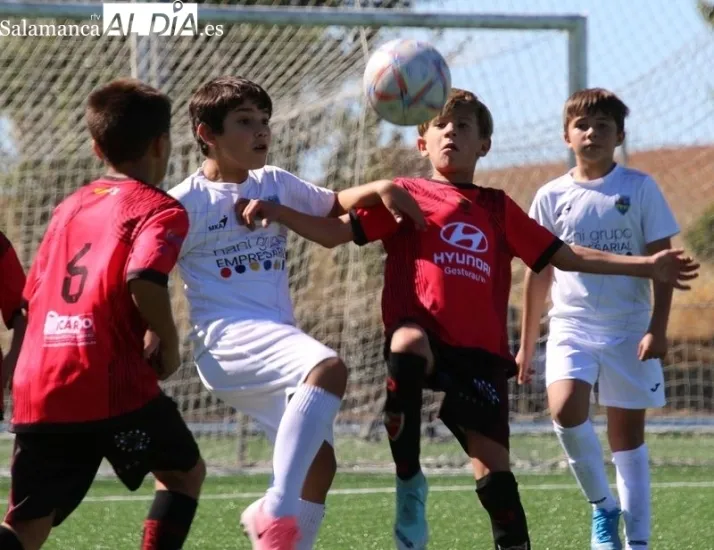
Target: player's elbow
567,258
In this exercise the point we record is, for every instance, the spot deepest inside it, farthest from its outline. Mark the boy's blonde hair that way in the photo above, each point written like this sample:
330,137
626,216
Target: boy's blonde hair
464,99
593,101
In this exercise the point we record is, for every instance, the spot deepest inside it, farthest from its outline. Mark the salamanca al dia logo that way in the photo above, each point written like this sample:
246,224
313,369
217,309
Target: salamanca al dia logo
154,19
122,19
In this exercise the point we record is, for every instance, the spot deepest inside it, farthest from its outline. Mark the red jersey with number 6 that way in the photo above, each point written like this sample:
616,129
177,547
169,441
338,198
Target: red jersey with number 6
82,360
454,278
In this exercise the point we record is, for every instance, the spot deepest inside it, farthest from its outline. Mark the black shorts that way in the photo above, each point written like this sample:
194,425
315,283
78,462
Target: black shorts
52,472
475,387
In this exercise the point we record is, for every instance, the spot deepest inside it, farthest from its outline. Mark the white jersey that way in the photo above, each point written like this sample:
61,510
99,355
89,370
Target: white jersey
231,273
620,213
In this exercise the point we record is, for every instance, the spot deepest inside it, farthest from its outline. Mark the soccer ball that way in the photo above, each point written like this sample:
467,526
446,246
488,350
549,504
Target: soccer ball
407,82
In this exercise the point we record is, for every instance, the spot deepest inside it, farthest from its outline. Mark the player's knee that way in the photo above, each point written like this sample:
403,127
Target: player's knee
187,483
568,413
410,338
569,402
196,476
487,456
330,375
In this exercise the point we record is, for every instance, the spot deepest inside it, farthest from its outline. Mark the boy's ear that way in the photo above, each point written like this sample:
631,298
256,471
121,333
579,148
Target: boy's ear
566,138
97,151
620,138
421,145
204,132
485,147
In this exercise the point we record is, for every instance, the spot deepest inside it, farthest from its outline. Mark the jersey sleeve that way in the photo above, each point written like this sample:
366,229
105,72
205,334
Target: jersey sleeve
541,211
157,246
372,224
306,197
12,282
196,216
528,240
658,221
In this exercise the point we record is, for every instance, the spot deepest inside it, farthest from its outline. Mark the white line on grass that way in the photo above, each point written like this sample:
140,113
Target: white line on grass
389,490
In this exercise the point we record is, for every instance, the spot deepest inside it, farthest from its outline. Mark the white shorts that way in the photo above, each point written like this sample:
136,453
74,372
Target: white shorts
623,380
255,366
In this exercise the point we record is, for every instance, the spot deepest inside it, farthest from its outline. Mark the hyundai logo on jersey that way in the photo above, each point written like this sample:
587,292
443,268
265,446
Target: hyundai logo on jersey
464,236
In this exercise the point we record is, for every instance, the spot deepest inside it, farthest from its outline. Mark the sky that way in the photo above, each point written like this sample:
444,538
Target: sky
656,54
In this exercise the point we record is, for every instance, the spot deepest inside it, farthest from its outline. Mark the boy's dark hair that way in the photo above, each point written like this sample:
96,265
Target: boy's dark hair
464,99
125,116
591,101
216,98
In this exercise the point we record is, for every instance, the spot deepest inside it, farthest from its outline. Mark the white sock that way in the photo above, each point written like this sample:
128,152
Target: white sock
633,486
304,427
584,453
310,515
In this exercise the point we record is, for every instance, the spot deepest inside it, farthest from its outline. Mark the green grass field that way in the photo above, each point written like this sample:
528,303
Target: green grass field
361,509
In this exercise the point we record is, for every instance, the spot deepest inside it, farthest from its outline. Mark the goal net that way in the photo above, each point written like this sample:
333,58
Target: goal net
323,132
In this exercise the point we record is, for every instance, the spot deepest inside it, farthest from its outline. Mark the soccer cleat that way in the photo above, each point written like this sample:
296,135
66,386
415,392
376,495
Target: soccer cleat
410,528
266,532
606,530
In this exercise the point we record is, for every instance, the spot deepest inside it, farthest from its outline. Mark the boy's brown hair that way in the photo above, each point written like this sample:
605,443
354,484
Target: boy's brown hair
216,98
125,116
591,101
464,99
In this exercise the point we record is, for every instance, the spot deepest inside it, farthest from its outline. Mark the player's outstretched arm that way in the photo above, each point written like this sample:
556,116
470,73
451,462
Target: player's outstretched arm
667,266
153,302
396,199
537,286
328,232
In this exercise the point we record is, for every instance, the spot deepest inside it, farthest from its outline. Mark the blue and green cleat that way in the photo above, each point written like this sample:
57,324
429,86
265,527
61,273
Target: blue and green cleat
411,531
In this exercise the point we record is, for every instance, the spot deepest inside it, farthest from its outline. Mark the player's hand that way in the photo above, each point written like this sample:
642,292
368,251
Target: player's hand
151,343
652,347
525,367
401,203
248,212
669,266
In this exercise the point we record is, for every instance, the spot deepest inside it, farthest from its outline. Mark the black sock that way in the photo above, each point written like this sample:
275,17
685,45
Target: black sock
9,540
402,411
498,493
169,520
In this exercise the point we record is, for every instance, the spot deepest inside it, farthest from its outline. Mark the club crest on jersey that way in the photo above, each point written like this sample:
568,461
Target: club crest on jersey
622,204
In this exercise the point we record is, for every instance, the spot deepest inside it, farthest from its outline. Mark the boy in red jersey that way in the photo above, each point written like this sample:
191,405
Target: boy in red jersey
11,283
444,307
83,389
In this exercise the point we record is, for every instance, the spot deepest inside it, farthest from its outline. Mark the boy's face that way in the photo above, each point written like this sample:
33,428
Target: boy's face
245,139
593,137
453,144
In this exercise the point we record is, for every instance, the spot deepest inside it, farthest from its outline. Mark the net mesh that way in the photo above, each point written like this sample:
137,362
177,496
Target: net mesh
323,132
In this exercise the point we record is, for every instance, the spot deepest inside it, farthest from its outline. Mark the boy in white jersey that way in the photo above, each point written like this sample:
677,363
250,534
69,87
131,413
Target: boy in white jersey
602,329
248,351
